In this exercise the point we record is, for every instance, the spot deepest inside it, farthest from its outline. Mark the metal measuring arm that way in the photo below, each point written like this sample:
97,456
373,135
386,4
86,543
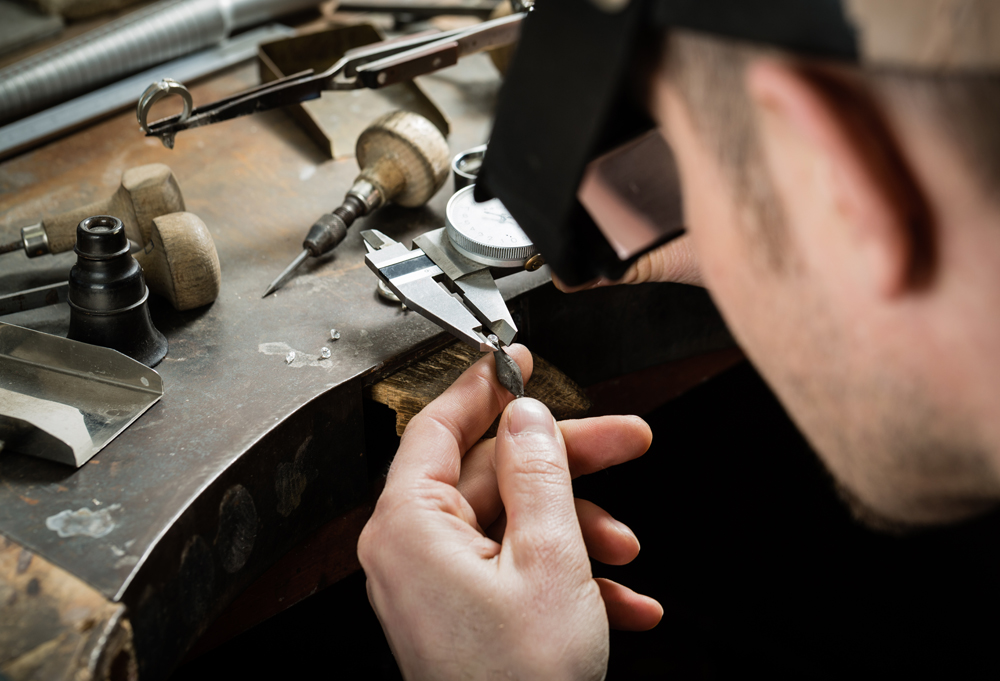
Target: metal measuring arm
425,278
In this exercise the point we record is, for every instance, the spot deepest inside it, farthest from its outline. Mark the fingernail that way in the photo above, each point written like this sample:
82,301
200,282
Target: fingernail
530,416
626,530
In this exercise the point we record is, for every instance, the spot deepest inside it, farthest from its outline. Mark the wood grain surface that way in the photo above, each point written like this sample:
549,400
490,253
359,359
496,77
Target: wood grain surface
54,626
180,261
145,192
416,386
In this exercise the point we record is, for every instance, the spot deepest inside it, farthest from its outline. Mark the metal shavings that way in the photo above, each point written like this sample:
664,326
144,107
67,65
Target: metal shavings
508,372
334,334
325,353
290,357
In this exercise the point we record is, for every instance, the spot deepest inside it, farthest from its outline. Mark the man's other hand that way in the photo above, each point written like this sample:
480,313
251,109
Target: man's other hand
516,600
675,261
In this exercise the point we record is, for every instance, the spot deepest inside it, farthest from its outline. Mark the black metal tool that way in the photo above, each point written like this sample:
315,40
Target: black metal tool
508,371
372,66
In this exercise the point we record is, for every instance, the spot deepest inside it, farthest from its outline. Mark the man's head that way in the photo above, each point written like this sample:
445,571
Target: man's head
838,162
846,224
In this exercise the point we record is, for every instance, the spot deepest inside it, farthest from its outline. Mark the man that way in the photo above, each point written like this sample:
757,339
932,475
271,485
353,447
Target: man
844,218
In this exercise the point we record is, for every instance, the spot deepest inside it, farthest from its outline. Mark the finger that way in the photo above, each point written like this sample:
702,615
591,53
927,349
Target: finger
591,445
536,490
566,288
601,442
627,610
675,261
497,529
436,439
608,540
478,481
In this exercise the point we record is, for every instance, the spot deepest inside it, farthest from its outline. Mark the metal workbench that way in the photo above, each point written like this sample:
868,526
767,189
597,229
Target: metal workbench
247,454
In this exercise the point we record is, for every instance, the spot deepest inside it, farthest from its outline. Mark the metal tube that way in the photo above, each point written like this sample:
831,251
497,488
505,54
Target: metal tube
144,38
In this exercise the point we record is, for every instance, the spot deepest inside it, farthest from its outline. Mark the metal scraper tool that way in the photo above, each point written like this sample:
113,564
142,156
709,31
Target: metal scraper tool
64,400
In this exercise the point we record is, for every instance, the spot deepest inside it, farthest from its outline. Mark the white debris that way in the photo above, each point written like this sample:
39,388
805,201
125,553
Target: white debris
290,357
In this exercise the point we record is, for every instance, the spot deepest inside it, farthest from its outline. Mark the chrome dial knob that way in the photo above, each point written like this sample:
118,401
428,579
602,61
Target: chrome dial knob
486,232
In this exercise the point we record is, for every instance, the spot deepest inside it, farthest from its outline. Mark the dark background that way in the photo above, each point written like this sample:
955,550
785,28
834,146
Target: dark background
758,565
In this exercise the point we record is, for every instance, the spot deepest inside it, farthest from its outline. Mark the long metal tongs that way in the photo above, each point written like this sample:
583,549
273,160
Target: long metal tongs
372,66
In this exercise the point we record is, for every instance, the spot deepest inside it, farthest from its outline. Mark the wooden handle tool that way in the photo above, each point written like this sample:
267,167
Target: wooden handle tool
180,262
145,192
403,158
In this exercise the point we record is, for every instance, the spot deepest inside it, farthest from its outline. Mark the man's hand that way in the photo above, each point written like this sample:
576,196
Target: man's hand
520,601
675,262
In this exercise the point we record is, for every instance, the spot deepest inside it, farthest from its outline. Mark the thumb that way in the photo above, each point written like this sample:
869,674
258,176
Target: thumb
536,487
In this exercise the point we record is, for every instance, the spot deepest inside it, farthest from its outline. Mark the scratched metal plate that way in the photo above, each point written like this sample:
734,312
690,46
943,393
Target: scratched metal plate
64,400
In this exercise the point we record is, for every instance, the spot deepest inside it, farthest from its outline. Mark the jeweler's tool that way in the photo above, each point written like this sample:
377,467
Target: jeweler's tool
145,193
480,241
64,400
372,66
403,159
179,263
508,372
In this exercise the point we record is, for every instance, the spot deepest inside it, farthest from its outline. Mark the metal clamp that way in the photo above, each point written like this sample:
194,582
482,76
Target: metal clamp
156,92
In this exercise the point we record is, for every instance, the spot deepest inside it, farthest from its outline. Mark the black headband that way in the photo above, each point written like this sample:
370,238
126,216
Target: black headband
567,99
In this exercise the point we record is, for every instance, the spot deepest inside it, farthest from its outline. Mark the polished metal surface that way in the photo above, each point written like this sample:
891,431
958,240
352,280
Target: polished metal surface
425,281
35,240
64,400
159,90
465,166
151,35
286,273
486,232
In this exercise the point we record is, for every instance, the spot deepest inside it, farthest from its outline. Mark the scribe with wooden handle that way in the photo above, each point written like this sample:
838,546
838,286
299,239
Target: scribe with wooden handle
404,159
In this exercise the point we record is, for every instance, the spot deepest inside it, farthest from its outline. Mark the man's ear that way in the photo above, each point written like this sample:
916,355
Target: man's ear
820,121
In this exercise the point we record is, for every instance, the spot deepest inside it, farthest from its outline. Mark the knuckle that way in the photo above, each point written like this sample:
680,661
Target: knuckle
366,545
548,548
486,376
541,469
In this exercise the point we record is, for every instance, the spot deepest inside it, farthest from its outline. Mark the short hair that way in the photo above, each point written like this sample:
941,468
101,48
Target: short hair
709,74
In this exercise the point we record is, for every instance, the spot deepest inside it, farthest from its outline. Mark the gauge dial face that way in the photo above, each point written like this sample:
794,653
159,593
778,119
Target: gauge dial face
486,232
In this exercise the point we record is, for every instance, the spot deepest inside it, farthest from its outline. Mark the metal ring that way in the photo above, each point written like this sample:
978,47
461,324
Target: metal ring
156,92
465,166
